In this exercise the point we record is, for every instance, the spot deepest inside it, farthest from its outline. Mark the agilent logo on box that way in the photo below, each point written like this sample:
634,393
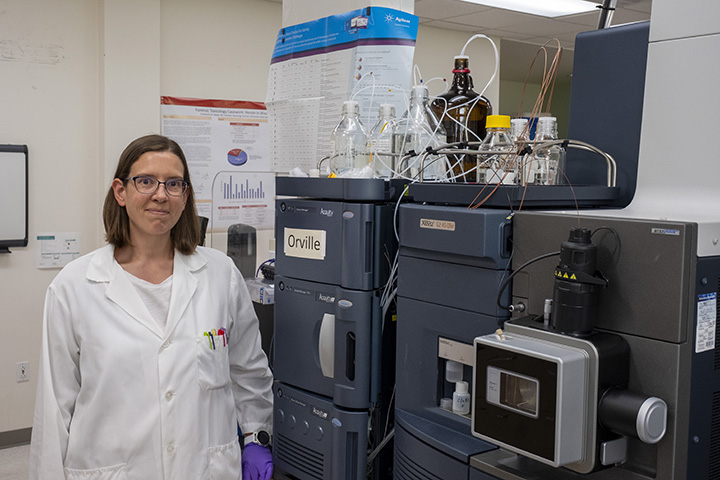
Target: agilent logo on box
304,243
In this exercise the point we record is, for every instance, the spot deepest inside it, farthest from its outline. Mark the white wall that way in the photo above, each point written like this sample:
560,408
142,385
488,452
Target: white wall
217,49
50,101
129,75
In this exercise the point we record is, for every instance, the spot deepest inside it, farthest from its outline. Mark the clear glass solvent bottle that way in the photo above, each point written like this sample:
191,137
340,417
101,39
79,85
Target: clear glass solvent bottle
548,163
380,143
418,129
496,159
349,140
520,134
463,113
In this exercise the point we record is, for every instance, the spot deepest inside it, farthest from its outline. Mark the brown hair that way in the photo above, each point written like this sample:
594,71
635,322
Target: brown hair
185,235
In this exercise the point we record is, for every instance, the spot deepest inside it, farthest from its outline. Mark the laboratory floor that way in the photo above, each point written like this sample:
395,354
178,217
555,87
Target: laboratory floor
15,463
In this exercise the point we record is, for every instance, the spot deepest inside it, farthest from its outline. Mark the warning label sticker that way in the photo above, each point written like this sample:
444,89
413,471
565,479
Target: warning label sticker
706,320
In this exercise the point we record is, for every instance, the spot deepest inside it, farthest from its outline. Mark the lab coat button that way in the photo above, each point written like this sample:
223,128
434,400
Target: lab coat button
169,395
165,344
171,449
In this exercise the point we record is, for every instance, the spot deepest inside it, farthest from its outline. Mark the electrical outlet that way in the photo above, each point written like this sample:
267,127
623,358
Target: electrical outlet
22,371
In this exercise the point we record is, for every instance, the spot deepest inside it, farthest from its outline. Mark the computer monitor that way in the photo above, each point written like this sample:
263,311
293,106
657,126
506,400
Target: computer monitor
13,197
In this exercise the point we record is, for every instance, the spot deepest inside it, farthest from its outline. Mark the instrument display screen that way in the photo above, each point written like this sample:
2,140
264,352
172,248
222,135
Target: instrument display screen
512,391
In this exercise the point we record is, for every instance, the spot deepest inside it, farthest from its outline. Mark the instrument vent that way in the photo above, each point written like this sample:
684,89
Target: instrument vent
714,468
298,459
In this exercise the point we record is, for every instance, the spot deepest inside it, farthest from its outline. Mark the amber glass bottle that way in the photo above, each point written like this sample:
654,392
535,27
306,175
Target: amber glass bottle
463,113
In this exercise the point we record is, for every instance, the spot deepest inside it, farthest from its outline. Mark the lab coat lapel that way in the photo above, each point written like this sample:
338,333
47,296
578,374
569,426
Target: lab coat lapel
120,291
184,286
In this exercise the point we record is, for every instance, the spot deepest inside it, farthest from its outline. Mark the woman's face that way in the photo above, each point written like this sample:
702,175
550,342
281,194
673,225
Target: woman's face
157,213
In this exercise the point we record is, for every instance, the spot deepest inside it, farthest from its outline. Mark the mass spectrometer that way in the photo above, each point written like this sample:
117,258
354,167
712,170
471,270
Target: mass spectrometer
619,379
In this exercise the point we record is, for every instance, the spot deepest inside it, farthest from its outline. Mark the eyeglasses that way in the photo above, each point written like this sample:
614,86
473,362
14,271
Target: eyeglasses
149,185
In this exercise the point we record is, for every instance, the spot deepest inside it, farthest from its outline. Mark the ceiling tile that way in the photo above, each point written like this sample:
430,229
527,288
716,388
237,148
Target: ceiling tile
451,26
519,26
442,9
544,27
494,18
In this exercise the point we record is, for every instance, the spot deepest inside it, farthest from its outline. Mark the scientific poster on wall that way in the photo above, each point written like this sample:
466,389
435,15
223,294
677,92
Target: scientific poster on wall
226,144
364,55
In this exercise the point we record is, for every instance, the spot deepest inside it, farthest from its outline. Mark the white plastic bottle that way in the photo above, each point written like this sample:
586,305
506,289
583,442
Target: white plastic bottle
496,160
461,398
349,140
418,129
380,142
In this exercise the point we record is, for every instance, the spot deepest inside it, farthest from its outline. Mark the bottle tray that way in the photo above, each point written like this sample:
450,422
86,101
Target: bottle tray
352,189
513,196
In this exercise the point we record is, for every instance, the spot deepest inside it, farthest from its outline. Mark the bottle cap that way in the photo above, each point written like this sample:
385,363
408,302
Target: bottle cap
453,371
461,387
387,110
350,106
542,120
547,126
461,64
497,121
419,91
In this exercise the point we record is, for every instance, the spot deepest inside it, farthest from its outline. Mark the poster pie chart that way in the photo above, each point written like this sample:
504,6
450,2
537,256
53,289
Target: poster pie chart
237,157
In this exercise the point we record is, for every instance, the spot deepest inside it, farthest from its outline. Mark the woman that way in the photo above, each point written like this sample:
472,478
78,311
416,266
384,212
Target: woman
151,349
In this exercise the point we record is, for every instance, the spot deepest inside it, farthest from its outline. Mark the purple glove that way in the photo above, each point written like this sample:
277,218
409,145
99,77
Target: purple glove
256,462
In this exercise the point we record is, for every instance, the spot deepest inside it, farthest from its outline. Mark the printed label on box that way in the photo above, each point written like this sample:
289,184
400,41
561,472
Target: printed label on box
706,322
303,243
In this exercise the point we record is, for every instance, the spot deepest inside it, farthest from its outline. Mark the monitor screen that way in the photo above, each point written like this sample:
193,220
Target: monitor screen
13,196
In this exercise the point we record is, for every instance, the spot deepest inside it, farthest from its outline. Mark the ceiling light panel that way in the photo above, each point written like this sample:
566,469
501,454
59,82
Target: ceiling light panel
545,8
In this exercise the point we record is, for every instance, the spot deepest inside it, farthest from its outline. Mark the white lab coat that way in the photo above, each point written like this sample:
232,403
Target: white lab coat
119,399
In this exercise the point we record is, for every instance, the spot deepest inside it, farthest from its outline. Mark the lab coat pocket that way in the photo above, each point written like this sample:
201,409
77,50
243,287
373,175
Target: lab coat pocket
213,364
224,462
115,472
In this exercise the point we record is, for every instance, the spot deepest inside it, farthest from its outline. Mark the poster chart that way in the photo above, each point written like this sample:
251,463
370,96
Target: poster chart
364,55
227,149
